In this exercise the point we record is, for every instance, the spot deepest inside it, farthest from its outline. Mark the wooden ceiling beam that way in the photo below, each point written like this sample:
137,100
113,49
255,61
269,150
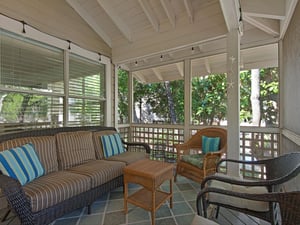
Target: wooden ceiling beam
231,12
124,29
189,10
169,11
269,26
157,74
207,66
90,21
150,14
180,69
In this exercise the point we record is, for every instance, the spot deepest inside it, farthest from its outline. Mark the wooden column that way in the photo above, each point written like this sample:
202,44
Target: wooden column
187,98
233,101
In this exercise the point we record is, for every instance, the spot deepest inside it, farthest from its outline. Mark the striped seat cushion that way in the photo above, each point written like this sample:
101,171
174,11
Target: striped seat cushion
45,147
74,148
54,188
128,157
112,145
100,171
21,163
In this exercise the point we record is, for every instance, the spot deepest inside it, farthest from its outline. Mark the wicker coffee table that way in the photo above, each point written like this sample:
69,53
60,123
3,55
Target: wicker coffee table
150,174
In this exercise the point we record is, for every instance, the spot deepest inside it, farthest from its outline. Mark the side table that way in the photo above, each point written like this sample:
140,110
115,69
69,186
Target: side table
150,174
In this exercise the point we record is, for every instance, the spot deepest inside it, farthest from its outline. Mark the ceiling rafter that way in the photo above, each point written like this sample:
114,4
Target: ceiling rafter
180,69
150,14
138,75
267,25
231,12
189,10
207,65
157,74
90,21
169,11
106,5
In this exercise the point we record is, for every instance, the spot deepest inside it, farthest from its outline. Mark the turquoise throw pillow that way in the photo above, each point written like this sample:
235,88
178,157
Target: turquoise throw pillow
210,144
112,145
21,163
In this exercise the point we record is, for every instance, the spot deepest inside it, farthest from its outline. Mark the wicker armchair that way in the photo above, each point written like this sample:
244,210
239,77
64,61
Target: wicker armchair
278,171
210,159
288,204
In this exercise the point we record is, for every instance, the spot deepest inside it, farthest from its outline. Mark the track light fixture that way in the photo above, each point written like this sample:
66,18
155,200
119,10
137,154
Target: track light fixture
23,30
69,44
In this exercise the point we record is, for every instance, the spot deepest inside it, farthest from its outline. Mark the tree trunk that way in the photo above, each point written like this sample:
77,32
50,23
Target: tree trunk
255,93
170,103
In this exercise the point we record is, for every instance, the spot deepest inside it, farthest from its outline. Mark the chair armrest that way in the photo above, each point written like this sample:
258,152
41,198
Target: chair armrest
237,181
258,162
140,144
16,198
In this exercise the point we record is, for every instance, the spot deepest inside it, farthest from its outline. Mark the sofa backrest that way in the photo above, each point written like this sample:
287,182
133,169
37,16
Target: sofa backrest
97,141
45,147
74,148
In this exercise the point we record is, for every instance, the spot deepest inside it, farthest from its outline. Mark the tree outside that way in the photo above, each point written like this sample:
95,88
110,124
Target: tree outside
164,101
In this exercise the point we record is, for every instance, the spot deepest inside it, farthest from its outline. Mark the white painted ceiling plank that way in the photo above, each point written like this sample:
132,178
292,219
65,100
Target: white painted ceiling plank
106,5
189,9
150,14
157,74
264,8
267,25
90,21
169,11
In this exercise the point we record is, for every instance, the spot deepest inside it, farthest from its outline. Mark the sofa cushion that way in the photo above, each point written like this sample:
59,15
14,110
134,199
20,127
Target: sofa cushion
54,188
239,202
128,157
112,145
97,141
74,148
21,163
100,171
45,148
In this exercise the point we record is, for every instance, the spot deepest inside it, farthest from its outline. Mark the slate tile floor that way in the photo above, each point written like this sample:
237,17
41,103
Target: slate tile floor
108,210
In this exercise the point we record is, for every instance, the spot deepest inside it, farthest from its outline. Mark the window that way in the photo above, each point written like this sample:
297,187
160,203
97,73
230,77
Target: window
31,83
33,88
86,92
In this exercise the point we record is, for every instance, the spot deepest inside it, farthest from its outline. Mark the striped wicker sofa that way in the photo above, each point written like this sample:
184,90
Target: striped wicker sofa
76,172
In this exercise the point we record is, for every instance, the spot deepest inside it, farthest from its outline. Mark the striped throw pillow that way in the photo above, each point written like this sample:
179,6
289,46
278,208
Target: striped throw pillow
112,145
21,163
210,144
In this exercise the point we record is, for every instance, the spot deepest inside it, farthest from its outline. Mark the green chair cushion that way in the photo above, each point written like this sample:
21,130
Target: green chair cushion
196,159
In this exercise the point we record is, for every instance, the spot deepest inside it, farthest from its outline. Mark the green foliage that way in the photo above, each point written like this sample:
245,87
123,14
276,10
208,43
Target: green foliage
209,99
123,96
24,107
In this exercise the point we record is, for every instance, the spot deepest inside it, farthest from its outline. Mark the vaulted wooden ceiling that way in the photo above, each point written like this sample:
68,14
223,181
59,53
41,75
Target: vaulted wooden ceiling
152,37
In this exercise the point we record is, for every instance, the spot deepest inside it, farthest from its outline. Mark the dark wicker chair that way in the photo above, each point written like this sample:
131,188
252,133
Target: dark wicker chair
210,159
278,171
289,213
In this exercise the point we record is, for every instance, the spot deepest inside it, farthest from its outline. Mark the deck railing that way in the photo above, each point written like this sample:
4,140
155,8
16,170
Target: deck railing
255,143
